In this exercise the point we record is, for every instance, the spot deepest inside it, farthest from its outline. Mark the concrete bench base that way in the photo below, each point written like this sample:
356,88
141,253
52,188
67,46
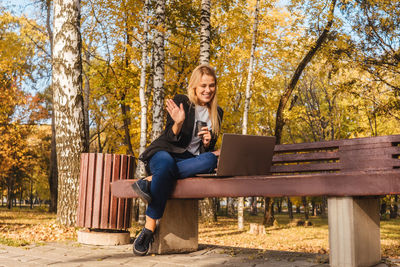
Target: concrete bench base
354,237
103,238
177,231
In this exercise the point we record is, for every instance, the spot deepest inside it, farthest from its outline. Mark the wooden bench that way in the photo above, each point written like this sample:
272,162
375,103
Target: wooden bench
352,173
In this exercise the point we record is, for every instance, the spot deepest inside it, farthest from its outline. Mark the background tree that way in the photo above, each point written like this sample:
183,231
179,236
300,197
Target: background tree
296,75
247,104
19,44
53,173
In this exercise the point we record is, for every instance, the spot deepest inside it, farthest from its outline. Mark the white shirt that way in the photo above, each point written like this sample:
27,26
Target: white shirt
201,114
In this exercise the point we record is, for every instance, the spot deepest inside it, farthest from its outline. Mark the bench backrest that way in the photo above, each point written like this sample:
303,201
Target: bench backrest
96,207
359,154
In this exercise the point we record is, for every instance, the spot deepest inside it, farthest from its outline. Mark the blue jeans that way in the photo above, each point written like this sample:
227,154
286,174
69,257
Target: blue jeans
166,168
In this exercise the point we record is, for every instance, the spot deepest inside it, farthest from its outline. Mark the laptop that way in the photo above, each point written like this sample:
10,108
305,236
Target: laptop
244,155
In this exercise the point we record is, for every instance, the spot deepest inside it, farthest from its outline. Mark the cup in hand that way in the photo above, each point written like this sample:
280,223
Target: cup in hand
199,125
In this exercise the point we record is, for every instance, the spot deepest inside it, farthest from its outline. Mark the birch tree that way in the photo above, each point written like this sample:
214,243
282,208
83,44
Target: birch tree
159,58
207,206
140,170
68,105
247,102
205,32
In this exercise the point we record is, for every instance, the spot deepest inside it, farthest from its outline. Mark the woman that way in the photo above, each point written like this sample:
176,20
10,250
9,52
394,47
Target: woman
180,151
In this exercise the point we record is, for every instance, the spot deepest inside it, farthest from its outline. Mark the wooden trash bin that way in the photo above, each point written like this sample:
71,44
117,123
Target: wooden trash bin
104,217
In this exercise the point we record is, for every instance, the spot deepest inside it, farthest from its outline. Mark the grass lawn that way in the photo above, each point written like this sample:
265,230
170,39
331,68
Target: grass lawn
20,227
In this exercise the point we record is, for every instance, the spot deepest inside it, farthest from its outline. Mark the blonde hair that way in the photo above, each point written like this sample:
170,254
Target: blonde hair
194,81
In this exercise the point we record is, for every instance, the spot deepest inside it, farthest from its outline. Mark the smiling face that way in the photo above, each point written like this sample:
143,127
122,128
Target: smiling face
205,90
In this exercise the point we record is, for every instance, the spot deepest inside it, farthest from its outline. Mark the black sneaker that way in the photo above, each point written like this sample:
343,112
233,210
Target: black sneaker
142,243
142,188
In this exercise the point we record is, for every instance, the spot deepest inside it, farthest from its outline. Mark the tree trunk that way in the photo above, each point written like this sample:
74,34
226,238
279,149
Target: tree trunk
207,208
247,101
86,95
205,32
253,205
305,206
9,197
279,205
207,205
251,69
31,195
280,122
324,204
140,170
218,204
313,208
20,197
68,106
126,122
240,213
230,202
53,172
383,208
125,109
158,93
393,207
268,212
142,212
290,208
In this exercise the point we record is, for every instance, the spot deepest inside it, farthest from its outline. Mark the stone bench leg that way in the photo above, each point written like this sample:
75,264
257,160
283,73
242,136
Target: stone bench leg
354,237
177,231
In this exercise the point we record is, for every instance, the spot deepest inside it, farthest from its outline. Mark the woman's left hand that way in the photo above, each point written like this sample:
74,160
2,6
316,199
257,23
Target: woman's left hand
205,136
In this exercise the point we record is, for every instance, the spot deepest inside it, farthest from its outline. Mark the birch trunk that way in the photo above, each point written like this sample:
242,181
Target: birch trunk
280,122
207,205
158,93
140,170
247,102
205,32
68,105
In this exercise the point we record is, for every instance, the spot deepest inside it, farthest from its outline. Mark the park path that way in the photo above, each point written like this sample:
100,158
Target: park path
73,254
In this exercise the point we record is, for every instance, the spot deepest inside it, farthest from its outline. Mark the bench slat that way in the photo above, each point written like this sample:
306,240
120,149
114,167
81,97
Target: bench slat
381,151
97,191
358,147
327,184
394,139
114,200
306,167
105,212
121,202
82,189
301,157
325,145
89,190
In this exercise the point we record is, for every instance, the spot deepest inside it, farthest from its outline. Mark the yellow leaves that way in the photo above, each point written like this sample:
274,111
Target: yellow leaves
33,227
